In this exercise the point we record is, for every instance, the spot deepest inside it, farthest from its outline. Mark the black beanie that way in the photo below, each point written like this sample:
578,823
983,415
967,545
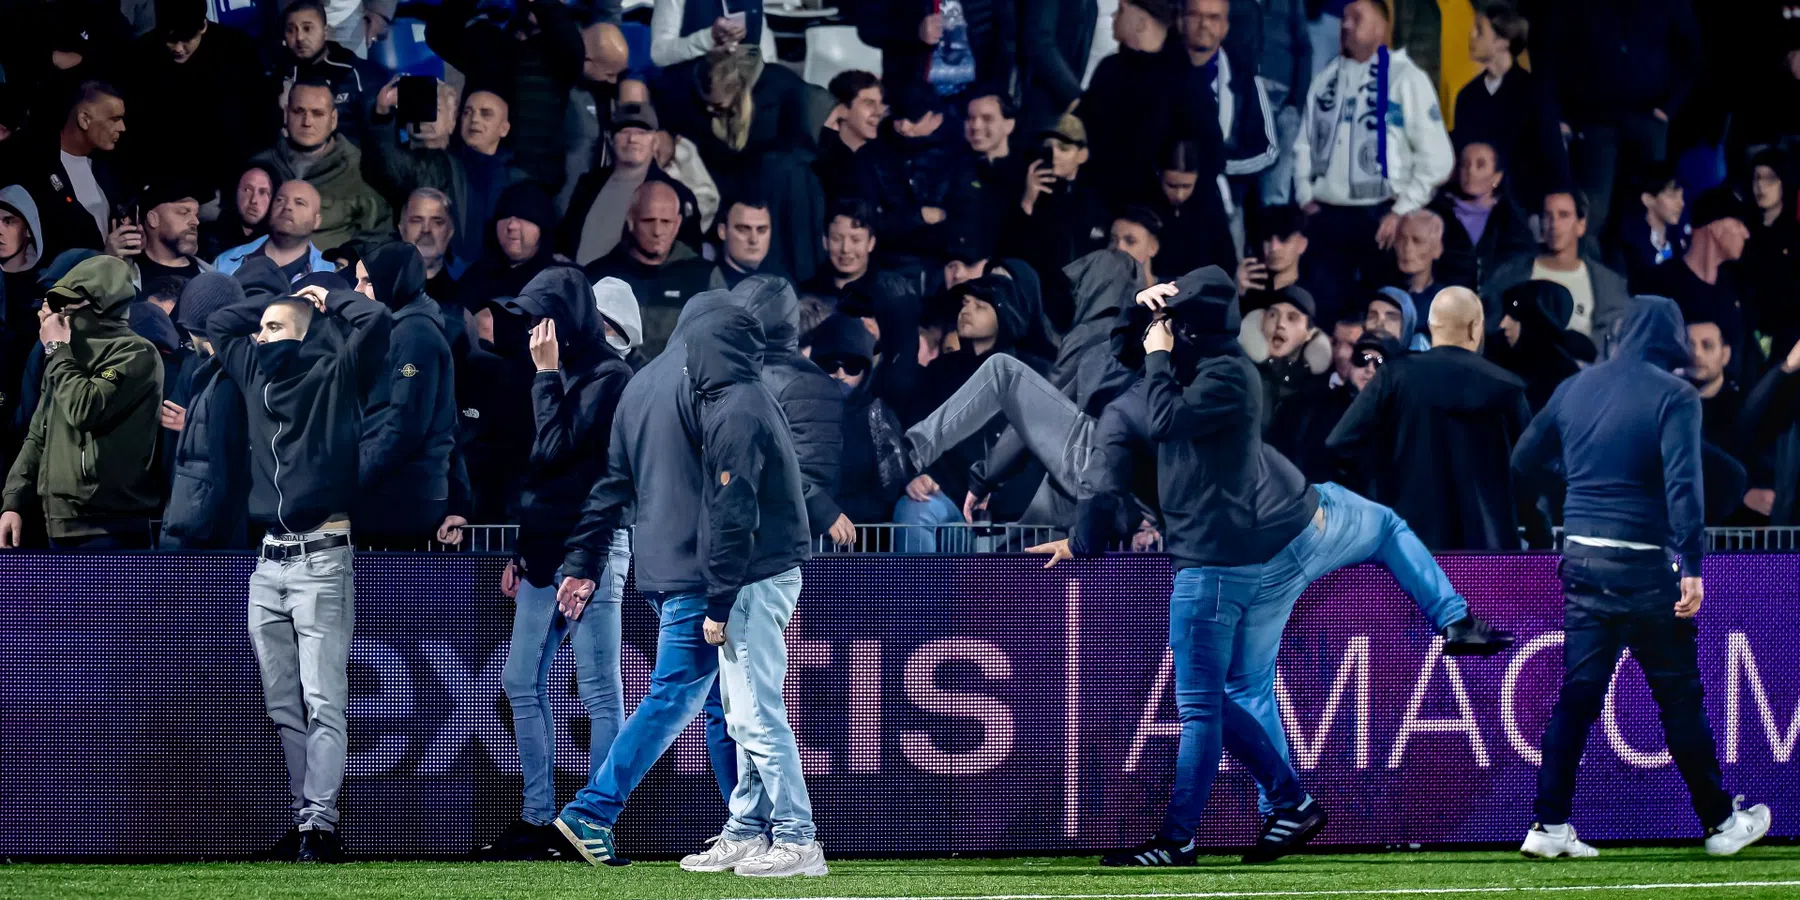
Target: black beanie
205,294
998,292
841,336
527,201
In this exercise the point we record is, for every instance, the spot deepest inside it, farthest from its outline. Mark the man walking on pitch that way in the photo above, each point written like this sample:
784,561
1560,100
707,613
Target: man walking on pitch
305,405
1627,433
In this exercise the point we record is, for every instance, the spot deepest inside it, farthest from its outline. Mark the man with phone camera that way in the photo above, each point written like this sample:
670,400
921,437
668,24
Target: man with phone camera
1064,217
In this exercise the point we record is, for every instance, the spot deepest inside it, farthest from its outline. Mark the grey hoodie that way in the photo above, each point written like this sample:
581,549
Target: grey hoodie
17,199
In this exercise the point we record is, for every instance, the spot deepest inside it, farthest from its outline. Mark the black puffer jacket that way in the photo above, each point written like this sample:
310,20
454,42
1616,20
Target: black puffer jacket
573,411
209,494
811,401
752,515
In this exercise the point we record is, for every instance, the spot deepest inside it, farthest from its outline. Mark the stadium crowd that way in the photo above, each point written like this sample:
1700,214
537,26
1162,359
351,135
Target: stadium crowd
942,258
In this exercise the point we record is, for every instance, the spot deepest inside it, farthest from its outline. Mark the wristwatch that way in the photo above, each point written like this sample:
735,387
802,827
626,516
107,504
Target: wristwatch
51,348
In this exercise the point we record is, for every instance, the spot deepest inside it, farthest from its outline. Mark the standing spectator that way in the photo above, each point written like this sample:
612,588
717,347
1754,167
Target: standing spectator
919,177
293,218
1304,423
1055,38
487,166
1130,122
812,405
917,45
200,104
89,454
517,248
1661,234
580,376
243,217
1701,280
1291,354
1278,267
1064,216
427,223
1196,233
314,152
992,119
76,185
1508,108
21,258
1619,72
1599,292
1137,233
1768,416
1356,181
1391,312
602,198
680,160
849,249
171,229
410,481
663,273
1722,404
1219,88
1283,60
1535,342
744,240
210,493
303,593
681,30
1442,424
1483,226
308,54
1627,434
1417,248
1771,266
872,475
854,122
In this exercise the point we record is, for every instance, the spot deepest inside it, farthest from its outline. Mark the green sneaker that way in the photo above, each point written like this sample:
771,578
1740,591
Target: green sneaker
594,842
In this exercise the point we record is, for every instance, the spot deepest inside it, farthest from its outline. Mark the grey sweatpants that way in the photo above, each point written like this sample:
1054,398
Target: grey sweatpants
302,613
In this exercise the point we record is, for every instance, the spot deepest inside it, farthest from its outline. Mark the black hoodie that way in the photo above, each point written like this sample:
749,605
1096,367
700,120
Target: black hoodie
810,400
1547,353
573,414
305,403
752,514
409,424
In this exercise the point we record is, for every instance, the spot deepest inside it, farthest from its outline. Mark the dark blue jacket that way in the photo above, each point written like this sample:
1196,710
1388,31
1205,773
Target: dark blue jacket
901,176
210,495
1627,433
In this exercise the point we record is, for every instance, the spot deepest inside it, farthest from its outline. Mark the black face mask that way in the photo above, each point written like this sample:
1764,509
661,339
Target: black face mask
278,359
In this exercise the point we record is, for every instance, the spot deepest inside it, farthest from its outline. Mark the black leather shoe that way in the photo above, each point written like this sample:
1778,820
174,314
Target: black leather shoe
523,841
1473,637
320,846
287,849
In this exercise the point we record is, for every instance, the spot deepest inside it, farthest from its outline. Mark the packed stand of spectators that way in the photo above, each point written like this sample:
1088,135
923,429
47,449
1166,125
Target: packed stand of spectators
943,258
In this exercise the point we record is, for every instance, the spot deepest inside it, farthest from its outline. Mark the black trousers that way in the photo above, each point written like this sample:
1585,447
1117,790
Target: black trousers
1614,599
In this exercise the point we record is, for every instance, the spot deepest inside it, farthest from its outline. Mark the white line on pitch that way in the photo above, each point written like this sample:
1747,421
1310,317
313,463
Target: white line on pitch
1367,892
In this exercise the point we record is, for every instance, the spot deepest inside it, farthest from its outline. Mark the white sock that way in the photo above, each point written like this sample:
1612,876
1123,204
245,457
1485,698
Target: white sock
1556,831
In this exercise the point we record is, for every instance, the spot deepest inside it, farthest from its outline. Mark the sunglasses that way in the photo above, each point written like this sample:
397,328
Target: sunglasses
1368,359
849,365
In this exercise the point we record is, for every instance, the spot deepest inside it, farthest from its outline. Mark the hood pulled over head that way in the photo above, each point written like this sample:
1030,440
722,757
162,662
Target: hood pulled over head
397,272
771,299
1653,331
724,347
563,295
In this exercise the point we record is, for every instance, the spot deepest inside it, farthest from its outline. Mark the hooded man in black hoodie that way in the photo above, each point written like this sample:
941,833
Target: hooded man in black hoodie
210,491
576,390
305,362
1535,342
413,485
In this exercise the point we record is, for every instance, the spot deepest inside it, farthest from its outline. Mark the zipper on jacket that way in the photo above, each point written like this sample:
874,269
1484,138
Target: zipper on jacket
279,499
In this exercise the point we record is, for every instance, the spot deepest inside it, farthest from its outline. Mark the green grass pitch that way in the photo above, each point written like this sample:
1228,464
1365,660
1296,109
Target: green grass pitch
1676,873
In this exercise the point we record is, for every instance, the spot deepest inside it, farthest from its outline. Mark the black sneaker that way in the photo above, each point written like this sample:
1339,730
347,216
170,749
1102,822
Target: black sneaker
1473,637
524,842
287,849
1156,852
320,846
1287,830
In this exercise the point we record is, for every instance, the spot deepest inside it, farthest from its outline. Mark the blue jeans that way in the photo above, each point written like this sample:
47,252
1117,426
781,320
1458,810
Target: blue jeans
771,790
685,674
538,630
938,509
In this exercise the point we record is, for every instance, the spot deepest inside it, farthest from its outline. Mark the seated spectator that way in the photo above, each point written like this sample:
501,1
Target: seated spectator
988,130
243,217
1700,282
663,272
200,103
1483,227
1599,292
314,152
744,240
680,160
1283,246
209,495
517,249
1721,405
1137,233
163,292
1535,342
849,249
75,183
1509,109
1292,354
308,54
1303,423
1442,425
1391,312
1417,248
293,218
1064,217
1126,107
854,123
872,474
1355,211
596,219
426,222
1659,235
919,177
171,232
1771,266
1196,232
89,472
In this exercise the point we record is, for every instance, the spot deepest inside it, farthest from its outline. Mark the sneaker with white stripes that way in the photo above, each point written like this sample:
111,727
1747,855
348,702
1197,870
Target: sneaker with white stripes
1745,827
785,860
1154,853
723,854
592,840
1552,841
1287,830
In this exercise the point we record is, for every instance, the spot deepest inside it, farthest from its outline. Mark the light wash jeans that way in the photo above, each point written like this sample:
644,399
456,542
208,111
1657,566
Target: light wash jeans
302,614
1278,179
771,789
922,535
538,630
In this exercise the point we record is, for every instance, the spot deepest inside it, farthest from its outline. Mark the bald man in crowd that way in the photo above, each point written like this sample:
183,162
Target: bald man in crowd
294,215
662,271
1441,426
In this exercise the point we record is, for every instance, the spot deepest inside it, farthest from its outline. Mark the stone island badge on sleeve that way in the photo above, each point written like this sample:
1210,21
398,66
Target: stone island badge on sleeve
408,370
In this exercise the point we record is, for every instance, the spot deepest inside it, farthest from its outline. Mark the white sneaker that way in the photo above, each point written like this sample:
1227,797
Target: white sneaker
1556,840
786,860
1745,827
723,854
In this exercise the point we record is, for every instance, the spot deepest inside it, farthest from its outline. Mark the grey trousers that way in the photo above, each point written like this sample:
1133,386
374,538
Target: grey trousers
1049,424
302,613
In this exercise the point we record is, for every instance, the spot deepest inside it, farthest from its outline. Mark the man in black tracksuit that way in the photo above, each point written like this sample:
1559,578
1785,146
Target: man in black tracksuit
305,363
811,401
1627,435
411,484
574,395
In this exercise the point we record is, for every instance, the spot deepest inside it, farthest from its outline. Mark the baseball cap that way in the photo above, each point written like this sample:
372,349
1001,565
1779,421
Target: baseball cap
1069,129
636,115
